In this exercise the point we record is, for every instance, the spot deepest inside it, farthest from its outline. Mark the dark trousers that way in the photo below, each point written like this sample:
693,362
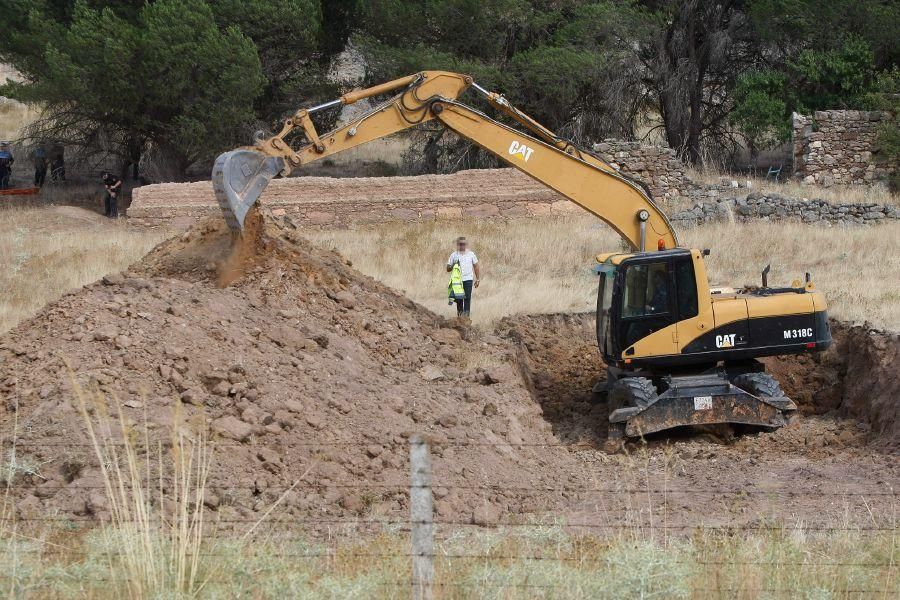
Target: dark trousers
464,305
111,206
4,179
40,173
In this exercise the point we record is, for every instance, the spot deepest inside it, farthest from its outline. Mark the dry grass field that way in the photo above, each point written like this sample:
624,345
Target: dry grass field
13,116
45,252
532,266
528,266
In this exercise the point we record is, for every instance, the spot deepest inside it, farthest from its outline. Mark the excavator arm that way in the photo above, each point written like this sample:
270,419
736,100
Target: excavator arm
240,176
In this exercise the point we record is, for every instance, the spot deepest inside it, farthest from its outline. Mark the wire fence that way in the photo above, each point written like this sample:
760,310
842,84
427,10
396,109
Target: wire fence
622,507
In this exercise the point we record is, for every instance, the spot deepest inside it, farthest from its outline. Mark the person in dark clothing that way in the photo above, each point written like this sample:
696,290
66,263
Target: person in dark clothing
57,163
660,301
6,162
111,201
40,166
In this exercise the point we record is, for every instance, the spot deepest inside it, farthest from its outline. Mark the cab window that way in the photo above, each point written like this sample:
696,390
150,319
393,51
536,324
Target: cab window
645,302
604,307
646,290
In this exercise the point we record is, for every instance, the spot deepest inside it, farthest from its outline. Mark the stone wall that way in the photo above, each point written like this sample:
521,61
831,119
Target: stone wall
837,147
489,193
775,207
656,166
334,202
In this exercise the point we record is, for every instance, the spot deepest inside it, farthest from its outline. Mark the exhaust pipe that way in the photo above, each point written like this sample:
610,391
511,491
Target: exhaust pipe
239,178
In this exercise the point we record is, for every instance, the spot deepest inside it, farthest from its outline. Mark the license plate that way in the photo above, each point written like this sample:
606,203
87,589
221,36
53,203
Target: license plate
702,402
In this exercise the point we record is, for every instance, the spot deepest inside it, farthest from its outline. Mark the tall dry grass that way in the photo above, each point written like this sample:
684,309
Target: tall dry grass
154,537
155,527
545,266
46,252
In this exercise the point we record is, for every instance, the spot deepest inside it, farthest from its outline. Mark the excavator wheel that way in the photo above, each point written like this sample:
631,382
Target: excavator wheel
764,386
632,391
759,384
627,392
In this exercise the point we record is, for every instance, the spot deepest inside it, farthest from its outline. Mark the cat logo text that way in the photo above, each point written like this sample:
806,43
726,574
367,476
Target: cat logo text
725,341
520,151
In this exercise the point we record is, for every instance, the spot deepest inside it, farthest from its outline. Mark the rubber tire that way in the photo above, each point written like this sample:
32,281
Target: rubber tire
759,384
601,396
632,391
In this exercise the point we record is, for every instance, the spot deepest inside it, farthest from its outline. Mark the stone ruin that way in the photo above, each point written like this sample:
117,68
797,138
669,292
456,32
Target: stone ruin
657,166
838,147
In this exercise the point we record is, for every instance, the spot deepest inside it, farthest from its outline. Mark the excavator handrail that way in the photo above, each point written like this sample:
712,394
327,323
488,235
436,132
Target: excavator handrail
240,176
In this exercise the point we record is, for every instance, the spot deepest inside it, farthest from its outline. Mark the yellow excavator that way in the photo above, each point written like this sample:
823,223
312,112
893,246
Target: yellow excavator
678,352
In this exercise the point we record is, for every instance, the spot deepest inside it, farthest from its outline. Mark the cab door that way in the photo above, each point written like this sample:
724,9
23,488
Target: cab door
686,301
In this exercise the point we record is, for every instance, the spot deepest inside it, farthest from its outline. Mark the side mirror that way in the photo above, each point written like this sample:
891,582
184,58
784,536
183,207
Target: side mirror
765,276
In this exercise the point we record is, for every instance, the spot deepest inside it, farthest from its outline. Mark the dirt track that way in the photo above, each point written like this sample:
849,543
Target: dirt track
306,370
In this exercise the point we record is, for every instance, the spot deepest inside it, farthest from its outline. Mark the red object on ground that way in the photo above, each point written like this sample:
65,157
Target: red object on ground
20,191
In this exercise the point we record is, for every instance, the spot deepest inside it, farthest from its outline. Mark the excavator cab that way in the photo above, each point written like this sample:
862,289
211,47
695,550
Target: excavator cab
681,354
640,295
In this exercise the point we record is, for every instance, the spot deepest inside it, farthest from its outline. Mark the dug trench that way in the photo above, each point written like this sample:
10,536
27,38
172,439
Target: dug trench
310,378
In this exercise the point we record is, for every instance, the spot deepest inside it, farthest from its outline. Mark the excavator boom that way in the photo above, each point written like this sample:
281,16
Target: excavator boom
240,176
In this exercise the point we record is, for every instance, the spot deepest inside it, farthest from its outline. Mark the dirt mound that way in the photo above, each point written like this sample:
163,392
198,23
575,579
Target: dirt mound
303,368
856,378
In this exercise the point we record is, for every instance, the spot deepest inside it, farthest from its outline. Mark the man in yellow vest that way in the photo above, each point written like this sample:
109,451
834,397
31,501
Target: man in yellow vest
469,275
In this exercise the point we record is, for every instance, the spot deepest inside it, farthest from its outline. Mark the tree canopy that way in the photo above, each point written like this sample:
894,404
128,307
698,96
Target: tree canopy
191,77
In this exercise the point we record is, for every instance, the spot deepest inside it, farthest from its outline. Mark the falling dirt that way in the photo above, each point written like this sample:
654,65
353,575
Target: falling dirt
245,249
312,375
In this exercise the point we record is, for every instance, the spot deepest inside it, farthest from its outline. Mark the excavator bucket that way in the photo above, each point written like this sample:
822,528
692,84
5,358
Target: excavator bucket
239,178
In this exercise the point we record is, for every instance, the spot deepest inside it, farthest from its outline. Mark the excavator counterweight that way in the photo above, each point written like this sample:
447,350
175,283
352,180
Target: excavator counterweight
678,353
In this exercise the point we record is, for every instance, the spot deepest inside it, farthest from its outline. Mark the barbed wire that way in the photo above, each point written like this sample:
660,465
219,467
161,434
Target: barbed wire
362,444
400,523
445,530
343,554
492,487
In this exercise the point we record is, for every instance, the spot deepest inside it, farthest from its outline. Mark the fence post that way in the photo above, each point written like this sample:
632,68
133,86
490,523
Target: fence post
420,513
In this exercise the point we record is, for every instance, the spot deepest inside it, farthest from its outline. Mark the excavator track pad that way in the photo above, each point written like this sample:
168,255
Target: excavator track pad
239,178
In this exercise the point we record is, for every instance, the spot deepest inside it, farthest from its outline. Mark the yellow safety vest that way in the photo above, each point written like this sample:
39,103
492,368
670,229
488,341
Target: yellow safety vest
455,290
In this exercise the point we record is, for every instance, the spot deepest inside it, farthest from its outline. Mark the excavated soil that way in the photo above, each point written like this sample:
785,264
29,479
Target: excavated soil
307,372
